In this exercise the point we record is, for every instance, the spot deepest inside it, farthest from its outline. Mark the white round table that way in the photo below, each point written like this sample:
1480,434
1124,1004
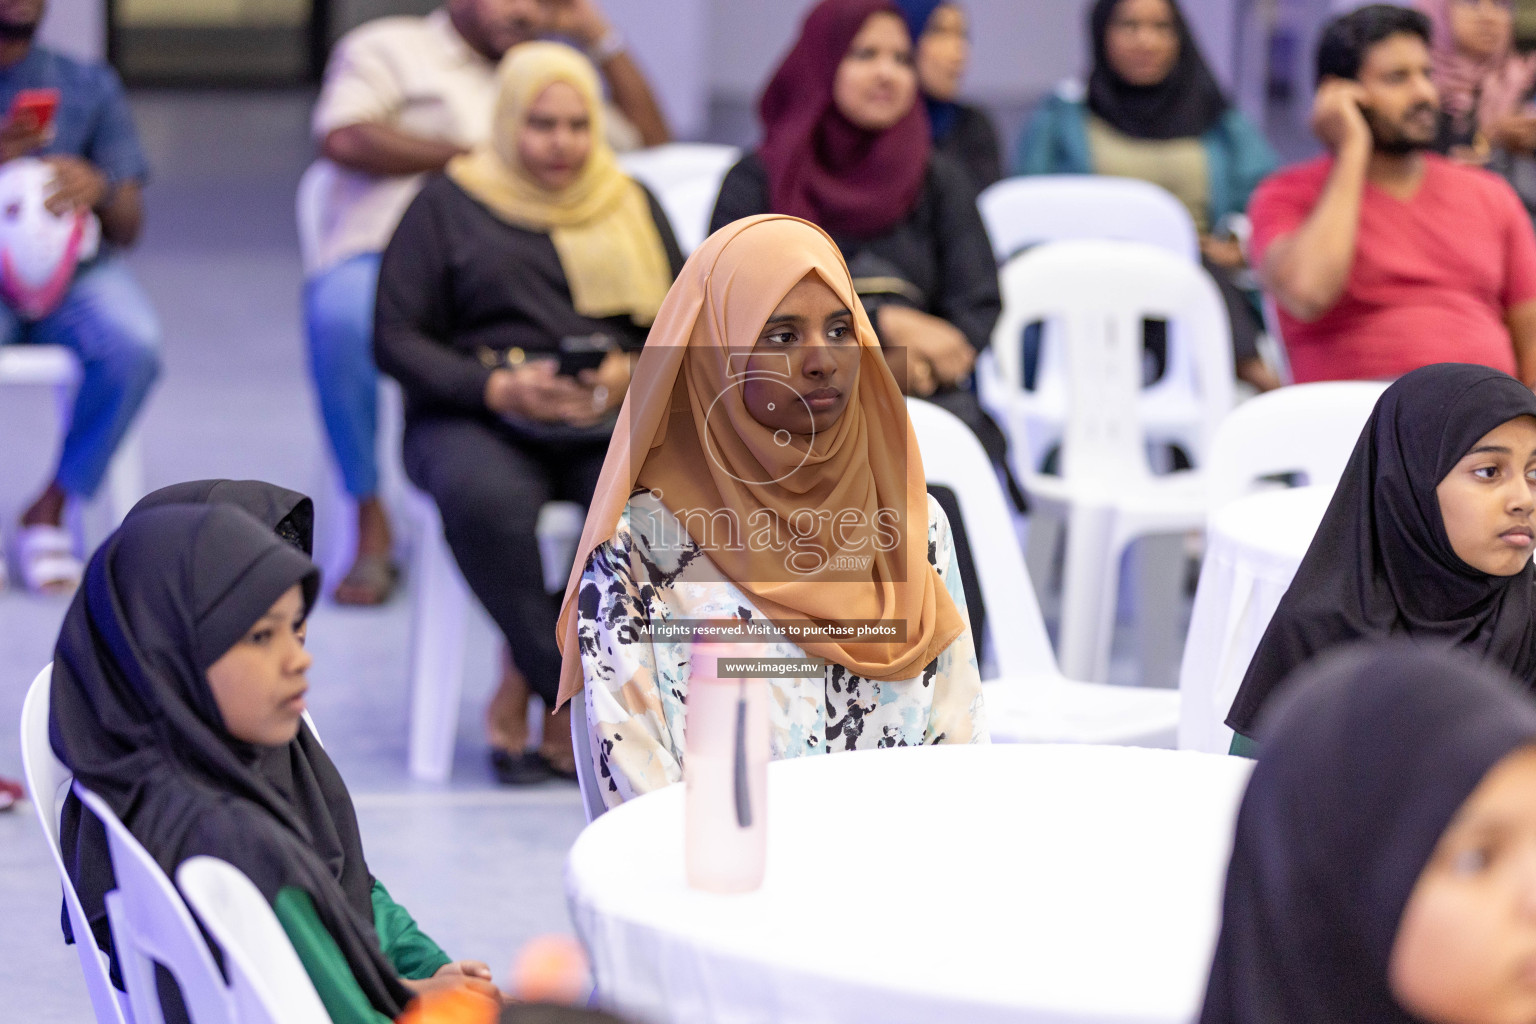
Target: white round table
1253,546
935,884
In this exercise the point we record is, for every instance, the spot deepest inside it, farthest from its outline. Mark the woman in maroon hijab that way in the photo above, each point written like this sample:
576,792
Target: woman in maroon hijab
846,146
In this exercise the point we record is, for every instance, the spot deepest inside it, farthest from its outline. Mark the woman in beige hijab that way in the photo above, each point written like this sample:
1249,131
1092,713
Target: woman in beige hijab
763,472
510,300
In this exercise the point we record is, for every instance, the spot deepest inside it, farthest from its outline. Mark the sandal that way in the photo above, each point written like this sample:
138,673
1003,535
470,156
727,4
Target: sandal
568,774
371,581
47,560
521,769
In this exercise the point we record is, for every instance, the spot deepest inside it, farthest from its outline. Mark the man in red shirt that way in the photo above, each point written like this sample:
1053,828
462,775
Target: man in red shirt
1383,257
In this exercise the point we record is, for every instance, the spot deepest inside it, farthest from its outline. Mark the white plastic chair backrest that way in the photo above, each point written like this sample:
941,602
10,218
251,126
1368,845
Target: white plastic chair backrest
1276,336
581,743
1094,296
151,924
40,365
267,983
1302,428
316,185
689,205
954,458
1022,212
46,778
662,166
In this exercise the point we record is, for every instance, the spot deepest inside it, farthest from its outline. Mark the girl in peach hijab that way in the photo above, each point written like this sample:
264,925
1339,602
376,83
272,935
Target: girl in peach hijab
763,472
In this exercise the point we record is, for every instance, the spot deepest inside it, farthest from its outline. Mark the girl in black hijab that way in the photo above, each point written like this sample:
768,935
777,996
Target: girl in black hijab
177,694
1384,868
288,514
301,770
1428,534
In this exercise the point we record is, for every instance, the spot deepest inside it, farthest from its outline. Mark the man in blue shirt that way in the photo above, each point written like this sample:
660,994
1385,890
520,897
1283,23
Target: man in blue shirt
105,317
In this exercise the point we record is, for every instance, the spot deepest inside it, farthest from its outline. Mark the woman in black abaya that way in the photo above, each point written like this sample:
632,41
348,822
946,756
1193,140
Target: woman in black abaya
1384,867
1428,535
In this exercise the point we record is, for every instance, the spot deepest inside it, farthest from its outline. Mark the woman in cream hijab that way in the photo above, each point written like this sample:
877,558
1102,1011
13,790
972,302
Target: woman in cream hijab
530,254
763,471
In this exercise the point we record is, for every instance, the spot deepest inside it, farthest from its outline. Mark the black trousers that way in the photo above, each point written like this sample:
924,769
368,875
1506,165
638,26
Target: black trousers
489,485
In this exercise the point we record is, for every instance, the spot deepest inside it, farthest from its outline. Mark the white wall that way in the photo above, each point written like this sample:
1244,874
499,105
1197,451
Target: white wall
673,51
76,27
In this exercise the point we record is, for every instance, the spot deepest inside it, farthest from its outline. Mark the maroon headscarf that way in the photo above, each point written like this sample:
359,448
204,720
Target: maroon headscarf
821,167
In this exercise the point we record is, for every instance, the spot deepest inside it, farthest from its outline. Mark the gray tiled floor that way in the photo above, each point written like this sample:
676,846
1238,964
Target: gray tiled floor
480,867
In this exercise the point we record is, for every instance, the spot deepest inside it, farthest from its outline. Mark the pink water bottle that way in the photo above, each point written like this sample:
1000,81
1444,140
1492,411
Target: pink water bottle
725,770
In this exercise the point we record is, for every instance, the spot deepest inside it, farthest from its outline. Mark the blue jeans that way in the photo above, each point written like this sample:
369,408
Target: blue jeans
338,317
107,322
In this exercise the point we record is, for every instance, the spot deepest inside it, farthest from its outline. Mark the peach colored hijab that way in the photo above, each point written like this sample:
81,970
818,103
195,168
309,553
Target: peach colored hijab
700,448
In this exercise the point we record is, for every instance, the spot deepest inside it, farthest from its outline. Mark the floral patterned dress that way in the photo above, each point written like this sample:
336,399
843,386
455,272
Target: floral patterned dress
637,687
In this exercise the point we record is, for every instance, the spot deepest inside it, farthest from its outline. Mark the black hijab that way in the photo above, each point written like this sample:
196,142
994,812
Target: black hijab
289,514
301,771
1361,767
1183,105
1381,563
134,719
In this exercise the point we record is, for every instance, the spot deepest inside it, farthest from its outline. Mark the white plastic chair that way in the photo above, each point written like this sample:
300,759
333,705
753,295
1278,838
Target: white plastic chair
586,771
46,781
1307,429
150,925
53,366
660,167
1022,212
440,613
1027,211
312,203
689,205
1088,393
1030,700
267,983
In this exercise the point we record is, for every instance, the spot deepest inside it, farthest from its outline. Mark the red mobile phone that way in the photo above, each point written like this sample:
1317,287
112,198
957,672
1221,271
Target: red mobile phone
33,109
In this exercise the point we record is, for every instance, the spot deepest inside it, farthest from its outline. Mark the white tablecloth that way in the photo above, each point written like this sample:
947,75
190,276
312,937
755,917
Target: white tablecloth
1253,546
1045,884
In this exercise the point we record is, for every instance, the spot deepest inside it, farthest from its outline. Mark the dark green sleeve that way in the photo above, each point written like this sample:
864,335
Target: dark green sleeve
1242,746
327,968
414,955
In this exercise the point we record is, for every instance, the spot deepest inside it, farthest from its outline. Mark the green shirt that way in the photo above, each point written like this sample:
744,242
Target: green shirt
411,952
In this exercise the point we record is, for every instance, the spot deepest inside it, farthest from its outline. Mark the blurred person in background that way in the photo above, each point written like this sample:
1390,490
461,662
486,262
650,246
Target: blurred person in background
530,251
942,41
105,318
1153,111
1381,255
402,97
1485,89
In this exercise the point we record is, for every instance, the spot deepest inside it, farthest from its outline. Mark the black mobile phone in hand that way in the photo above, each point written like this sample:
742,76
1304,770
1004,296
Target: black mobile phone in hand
583,352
